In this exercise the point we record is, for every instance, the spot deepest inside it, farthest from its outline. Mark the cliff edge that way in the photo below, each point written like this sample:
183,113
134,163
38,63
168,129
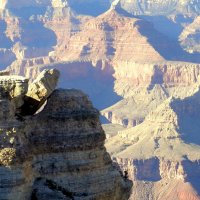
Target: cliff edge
56,153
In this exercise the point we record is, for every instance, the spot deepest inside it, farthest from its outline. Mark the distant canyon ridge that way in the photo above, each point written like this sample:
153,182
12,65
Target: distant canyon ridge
139,62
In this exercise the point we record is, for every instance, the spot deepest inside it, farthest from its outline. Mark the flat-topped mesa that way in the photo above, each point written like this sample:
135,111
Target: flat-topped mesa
39,91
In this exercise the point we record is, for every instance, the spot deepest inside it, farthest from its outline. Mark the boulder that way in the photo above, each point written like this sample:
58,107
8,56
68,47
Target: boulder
39,91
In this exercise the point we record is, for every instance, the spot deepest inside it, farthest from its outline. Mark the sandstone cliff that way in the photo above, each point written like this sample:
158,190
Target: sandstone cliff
58,153
161,155
145,86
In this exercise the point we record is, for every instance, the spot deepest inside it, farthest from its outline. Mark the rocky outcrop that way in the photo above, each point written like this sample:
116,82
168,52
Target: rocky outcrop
52,34
145,86
159,7
159,186
163,150
190,37
117,34
15,86
121,38
58,153
39,91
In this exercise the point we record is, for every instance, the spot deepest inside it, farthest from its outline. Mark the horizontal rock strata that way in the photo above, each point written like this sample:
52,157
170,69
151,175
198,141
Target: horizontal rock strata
58,153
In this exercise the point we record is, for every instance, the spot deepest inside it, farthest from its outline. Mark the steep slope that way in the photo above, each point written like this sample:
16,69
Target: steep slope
61,35
165,15
34,28
53,35
159,7
57,153
163,151
190,37
120,38
145,86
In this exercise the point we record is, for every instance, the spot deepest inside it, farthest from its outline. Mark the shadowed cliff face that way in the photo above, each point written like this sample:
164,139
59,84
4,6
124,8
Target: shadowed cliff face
34,34
96,79
190,37
59,36
188,118
57,153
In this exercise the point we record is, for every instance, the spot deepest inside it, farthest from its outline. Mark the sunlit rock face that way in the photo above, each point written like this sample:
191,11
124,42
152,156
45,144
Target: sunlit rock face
152,7
130,58
52,33
57,153
161,155
145,86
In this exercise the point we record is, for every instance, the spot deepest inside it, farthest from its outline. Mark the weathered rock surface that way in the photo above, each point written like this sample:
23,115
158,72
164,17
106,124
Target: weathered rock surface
145,86
51,34
58,153
159,7
15,86
109,31
190,37
58,33
39,90
163,151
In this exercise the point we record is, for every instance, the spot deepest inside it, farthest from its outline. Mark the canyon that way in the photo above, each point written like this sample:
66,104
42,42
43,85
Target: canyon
139,63
161,154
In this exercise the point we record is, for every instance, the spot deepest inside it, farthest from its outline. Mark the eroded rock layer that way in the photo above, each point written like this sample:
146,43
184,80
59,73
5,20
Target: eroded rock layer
145,86
161,155
190,37
58,153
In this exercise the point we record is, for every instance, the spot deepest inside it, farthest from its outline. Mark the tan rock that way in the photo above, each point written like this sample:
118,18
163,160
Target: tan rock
16,86
58,153
189,38
39,91
162,151
145,86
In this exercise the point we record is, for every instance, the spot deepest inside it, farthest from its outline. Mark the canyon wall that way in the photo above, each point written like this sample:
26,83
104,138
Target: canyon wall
57,153
161,155
145,86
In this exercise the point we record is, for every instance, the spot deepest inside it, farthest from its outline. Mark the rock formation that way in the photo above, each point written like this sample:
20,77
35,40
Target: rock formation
190,37
146,86
163,151
108,31
39,91
128,57
58,35
145,7
58,153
